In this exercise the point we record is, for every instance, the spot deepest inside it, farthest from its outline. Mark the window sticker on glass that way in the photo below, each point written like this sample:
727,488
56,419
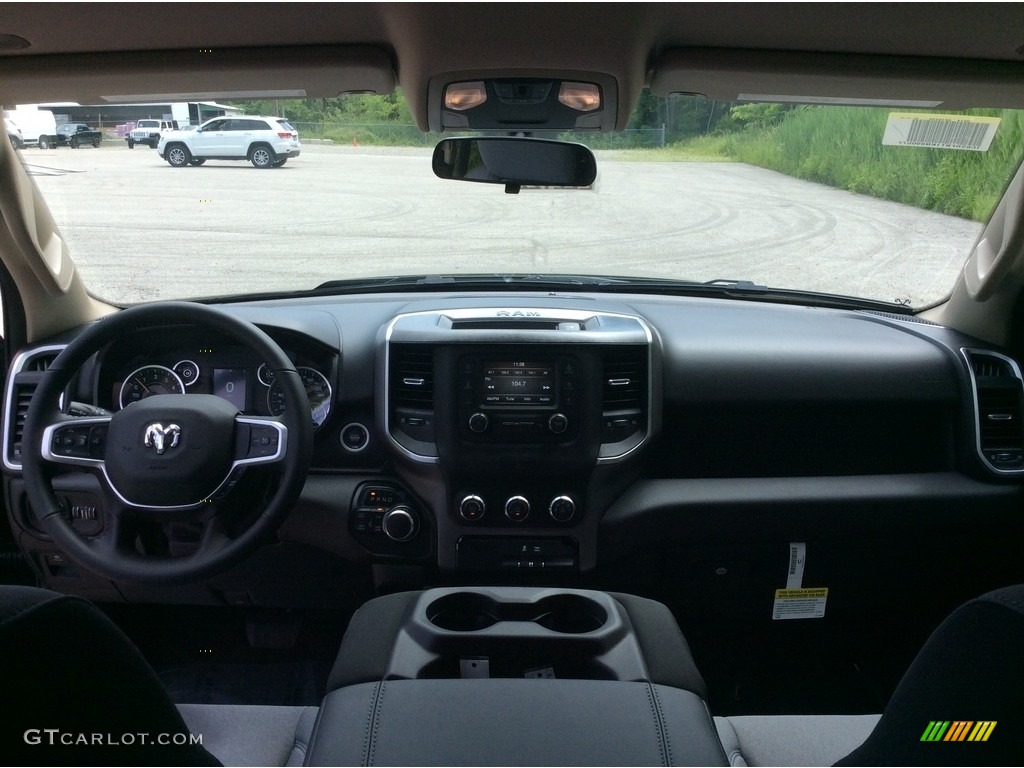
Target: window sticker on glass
917,129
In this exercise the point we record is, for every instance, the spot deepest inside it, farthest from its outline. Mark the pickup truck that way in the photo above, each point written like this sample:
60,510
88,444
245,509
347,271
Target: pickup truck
75,135
147,131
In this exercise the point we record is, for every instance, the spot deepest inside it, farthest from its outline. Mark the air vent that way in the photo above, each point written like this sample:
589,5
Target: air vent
625,379
25,375
901,318
412,377
19,403
624,404
40,363
985,366
998,389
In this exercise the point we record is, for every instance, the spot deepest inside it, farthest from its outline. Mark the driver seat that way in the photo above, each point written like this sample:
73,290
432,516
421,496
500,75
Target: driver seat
82,694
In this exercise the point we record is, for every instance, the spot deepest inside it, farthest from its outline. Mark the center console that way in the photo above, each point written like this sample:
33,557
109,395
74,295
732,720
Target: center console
514,676
509,422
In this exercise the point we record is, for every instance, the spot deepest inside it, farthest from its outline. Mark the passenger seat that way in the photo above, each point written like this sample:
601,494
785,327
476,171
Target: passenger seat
970,671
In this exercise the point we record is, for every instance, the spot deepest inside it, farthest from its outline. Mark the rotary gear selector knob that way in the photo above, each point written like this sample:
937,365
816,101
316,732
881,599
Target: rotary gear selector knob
399,523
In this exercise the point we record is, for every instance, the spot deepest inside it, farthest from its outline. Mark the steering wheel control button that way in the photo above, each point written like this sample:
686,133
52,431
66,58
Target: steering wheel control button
355,437
472,508
562,509
78,441
399,523
97,440
478,422
517,509
558,423
229,484
263,441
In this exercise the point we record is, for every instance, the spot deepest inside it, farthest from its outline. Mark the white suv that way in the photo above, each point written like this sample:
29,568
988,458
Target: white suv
266,142
148,131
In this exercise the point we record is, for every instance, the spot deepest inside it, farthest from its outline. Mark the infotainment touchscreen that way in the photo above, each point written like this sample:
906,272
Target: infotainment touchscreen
518,383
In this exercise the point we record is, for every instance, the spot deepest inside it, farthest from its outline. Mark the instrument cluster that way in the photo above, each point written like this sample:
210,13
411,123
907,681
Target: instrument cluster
226,370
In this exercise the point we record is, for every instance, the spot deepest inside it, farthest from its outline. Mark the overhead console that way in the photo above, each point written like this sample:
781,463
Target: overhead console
514,409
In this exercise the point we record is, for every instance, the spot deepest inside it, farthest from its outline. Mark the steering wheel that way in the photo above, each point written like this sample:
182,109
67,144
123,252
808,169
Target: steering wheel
168,457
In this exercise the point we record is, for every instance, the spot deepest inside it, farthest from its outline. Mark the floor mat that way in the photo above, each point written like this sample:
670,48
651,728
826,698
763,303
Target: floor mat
207,655
286,683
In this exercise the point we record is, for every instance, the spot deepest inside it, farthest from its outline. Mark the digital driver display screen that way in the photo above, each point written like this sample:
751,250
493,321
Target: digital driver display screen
229,383
518,383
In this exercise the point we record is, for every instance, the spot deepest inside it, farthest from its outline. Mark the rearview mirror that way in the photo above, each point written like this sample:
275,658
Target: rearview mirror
515,162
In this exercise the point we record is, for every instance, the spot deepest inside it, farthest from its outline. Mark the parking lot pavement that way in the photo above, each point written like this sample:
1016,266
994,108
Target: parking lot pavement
139,229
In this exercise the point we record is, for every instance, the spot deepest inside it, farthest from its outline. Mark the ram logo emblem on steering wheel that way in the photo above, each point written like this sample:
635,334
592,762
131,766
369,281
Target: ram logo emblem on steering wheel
160,437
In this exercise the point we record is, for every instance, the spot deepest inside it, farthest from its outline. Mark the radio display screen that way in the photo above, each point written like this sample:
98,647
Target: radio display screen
518,383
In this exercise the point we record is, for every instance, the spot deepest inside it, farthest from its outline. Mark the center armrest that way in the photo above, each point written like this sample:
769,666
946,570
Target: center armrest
514,722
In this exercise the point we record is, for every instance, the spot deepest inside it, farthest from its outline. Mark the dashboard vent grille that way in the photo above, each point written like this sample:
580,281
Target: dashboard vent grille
1000,432
625,379
19,405
990,367
412,377
901,318
25,379
39,364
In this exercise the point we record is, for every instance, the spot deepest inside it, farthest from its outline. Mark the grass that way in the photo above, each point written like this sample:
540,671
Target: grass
956,182
698,149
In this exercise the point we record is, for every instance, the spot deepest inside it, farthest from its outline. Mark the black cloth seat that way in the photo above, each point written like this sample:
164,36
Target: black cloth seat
80,693
970,671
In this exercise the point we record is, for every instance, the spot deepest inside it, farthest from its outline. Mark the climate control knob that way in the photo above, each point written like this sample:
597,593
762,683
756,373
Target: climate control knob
562,509
478,422
517,509
472,508
558,423
399,523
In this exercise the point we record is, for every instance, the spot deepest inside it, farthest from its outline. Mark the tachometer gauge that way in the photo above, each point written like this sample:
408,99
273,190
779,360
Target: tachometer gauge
318,390
150,380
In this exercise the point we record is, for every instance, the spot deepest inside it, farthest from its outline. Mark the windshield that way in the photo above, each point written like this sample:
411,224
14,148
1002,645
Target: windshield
877,203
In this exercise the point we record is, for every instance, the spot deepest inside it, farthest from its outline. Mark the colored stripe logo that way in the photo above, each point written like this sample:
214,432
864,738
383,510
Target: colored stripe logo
958,730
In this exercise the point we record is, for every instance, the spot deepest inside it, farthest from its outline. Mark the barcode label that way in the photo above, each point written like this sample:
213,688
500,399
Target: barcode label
797,556
910,129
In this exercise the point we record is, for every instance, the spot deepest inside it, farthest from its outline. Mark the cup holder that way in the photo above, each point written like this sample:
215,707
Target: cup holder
463,612
569,614
472,612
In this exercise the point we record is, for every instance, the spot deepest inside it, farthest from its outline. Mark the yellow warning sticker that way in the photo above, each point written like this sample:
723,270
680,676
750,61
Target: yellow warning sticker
920,129
808,603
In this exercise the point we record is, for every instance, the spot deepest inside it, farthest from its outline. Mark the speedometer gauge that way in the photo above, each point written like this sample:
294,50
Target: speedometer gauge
147,381
318,390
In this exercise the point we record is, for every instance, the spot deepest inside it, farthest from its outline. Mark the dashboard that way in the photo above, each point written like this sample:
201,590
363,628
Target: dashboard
560,435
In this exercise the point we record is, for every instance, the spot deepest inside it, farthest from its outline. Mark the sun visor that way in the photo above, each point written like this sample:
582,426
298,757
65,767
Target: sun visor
234,73
812,78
